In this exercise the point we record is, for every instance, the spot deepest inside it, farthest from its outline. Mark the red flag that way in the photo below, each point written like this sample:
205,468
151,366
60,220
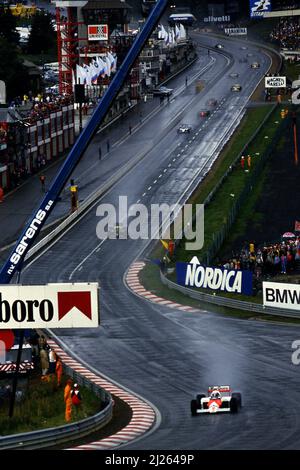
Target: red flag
8,338
68,300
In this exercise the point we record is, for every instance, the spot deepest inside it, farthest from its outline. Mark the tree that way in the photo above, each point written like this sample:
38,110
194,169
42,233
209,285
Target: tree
8,24
42,36
12,71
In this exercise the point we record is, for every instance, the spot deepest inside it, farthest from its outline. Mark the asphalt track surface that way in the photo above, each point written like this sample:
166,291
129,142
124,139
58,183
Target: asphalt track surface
168,356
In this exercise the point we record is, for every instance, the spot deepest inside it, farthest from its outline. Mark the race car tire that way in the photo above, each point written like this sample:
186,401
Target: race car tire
234,405
225,404
194,407
238,397
199,398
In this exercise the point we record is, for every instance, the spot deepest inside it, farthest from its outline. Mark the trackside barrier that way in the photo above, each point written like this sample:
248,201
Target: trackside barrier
51,437
229,303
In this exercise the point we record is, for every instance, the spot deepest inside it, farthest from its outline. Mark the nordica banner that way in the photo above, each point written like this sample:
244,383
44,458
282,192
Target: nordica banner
280,295
221,279
49,306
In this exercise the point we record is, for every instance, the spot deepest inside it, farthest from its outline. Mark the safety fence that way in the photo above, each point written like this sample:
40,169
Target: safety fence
51,437
220,301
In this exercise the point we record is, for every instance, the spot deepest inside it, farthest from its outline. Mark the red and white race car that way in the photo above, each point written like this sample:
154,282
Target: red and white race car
219,399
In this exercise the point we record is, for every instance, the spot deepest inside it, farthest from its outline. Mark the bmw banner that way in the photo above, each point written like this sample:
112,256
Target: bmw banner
220,279
259,7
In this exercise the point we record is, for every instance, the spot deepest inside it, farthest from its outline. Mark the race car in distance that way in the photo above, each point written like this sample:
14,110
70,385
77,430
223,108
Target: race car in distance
255,65
205,113
219,46
219,399
162,91
236,87
184,128
233,75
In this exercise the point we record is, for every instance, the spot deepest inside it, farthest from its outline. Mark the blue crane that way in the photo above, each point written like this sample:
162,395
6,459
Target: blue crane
29,235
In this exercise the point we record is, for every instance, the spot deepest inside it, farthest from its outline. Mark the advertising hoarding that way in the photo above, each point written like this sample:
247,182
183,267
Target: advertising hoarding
236,31
49,306
259,7
281,295
213,278
275,82
98,32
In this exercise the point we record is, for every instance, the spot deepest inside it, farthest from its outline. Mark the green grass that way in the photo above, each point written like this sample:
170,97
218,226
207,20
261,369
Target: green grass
292,71
218,210
43,407
251,121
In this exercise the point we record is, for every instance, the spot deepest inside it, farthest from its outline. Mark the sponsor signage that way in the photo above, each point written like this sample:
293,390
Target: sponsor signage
275,82
49,306
259,7
98,32
24,243
236,31
221,279
280,295
217,19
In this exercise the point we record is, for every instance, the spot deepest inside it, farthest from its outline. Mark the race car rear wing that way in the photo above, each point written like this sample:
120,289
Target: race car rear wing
220,388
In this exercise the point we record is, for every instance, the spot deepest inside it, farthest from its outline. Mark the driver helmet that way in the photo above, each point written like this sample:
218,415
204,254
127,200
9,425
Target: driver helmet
215,394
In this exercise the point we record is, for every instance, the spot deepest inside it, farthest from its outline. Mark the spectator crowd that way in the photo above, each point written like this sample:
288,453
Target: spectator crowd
34,108
269,260
287,33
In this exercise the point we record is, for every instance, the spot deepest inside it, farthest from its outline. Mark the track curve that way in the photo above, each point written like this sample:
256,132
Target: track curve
167,355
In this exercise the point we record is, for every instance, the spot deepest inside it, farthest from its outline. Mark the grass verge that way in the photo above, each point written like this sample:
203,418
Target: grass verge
218,211
250,122
43,407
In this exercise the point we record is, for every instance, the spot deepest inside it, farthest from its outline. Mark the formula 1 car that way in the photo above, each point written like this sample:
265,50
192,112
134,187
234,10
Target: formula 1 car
219,399
205,113
184,128
236,87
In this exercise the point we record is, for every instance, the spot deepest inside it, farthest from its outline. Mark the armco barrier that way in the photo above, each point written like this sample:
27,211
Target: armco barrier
229,303
51,437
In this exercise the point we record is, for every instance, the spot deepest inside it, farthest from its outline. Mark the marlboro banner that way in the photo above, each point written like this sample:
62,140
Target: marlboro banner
49,306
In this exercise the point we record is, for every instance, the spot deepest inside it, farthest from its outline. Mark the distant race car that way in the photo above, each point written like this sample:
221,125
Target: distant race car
184,128
234,75
162,91
205,113
220,399
255,65
219,46
236,87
